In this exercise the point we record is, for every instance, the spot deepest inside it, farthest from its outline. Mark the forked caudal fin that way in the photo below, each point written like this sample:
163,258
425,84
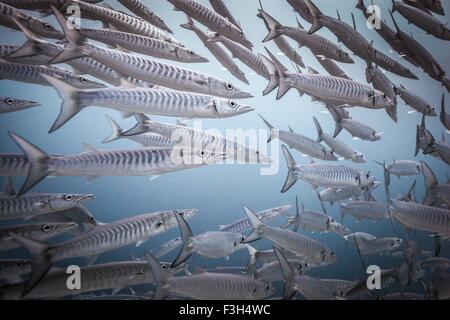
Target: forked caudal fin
41,263
288,275
116,130
70,106
274,80
256,224
37,159
316,13
284,86
291,179
319,130
271,24
139,128
159,276
186,235
269,126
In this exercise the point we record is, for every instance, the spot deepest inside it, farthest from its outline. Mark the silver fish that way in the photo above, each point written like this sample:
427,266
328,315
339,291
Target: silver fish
35,231
332,195
143,45
143,11
33,74
212,20
244,224
142,100
220,7
123,21
289,240
247,56
211,286
269,256
354,127
318,44
113,275
11,270
271,271
9,104
440,149
195,139
401,168
325,175
337,146
94,163
330,66
302,9
301,143
340,90
8,15
423,20
35,204
423,138
40,4
362,210
388,34
356,42
217,51
147,139
6,50
314,221
103,238
435,192
309,287
382,83
421,55
415,101
379,245
283,44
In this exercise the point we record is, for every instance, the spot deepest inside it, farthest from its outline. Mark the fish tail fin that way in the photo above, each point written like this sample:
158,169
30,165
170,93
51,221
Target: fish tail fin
284,86
75,47
391,110
316,13
291,164
442,113
319,130
138,128
272,24
274,77
159,277
322,204
37,159
186,235
189,25
288,275
269,126
387,175
252,252
256,224
116,130
29,48
297,215
446,83
70,106
360,5
388,195
41,263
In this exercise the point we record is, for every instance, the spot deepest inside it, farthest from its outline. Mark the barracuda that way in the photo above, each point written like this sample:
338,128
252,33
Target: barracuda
33,74
103,238
323,175
212,20
123,21
36,231
339,90
217,51
302,9
415,101
337,146
356,42
141,10
362,210
331,67
9,104
422,19
95,163
301,143
8,14
12,270
289,240
139,100
317,44
220,7
195,139
115,275
244,224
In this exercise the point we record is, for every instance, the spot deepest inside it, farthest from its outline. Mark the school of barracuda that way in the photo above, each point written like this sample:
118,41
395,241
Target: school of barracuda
126,66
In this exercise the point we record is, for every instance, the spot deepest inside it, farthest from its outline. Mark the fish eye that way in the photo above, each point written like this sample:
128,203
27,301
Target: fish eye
202,153
48,26
367,176
46,228
232,103
255,290
164,266
267,287
91,219
257,152
332,253
159,224
229,86
191,52
68,197
83,79
10,101
22,263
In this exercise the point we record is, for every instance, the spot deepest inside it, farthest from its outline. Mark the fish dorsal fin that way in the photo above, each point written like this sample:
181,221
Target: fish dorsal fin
290,128
299,25
338,15
8,187
354,22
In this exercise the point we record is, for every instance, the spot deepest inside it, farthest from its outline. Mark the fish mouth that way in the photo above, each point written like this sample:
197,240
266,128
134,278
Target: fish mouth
200,59
86,197
244,109
29,104
68,226
243,95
